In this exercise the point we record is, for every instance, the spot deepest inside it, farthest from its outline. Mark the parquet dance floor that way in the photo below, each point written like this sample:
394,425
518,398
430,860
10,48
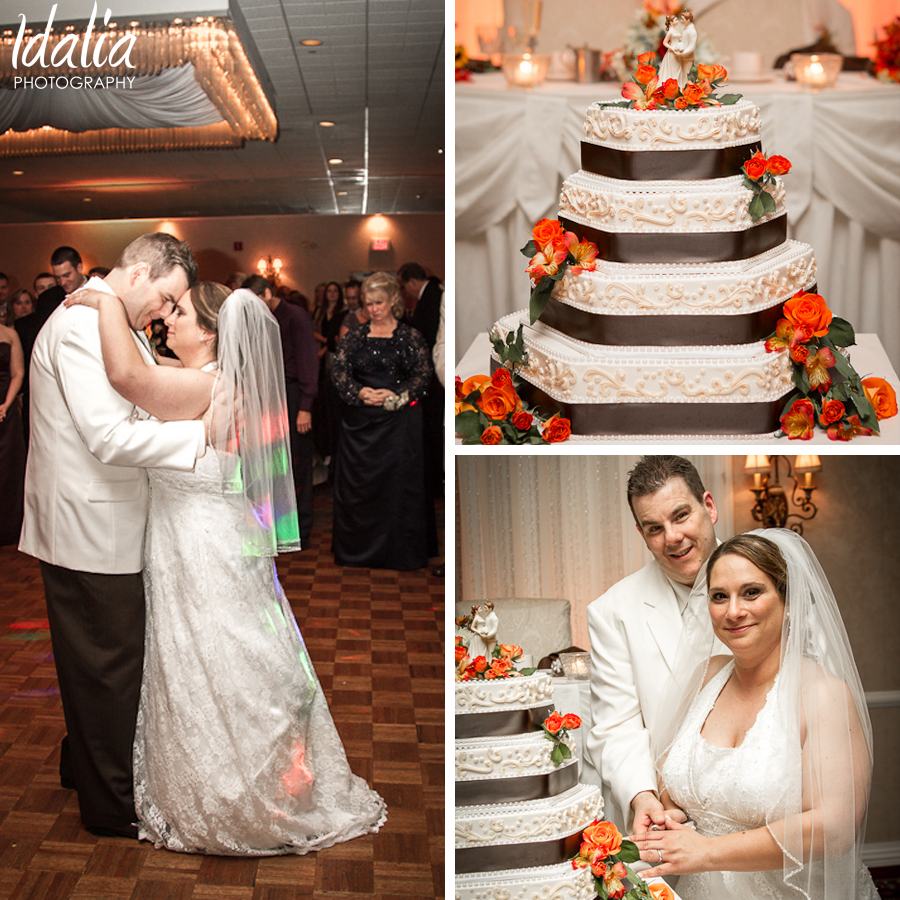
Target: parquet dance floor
375,637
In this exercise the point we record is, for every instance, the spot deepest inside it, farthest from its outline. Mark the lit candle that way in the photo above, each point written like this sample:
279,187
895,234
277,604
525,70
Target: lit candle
525,71
757,481
808,479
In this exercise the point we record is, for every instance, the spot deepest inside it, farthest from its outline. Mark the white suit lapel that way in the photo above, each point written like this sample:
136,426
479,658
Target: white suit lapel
663,617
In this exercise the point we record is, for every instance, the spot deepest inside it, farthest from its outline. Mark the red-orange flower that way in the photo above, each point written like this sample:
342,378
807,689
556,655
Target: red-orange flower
498,403
798,423
799,353
491,435
522,419
784,332
681,103
846,432
644,74
570,720
808,309
501,378
661,891
598,866
500,666
670,89
817,367
460,652
614,885
755,167
832,411
646,58
510,651
643,99
603,836
585,254
693,93
778,165
553,722
475,383
556,430
479,664
881,395
546,231
711,72
547,260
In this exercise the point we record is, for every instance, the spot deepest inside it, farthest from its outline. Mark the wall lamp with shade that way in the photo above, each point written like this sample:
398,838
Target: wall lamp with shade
270,268
773,505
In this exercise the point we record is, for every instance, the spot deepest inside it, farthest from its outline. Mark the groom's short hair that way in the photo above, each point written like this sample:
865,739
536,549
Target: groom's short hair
162,252
652,473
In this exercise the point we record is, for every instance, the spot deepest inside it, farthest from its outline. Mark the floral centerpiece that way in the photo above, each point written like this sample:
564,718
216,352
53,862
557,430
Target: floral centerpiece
607,854
489,409
644,90
556,726
502,663
829,392
759,177
887,53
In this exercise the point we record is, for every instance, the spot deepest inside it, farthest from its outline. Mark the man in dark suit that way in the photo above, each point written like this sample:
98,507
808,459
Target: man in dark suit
67,269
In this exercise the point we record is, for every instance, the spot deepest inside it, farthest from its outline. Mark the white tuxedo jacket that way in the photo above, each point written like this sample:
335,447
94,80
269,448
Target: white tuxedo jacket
86,490
635,629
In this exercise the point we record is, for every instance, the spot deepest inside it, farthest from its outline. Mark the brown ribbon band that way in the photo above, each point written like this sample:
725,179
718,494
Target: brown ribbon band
516,721
655,247
515,790
660,331
517,856
665,165
660,418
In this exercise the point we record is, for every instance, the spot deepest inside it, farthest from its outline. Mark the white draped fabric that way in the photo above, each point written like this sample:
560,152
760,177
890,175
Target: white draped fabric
843,194
558,526
171,99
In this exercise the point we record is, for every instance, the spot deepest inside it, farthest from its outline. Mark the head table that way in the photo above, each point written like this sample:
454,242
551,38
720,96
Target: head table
514,148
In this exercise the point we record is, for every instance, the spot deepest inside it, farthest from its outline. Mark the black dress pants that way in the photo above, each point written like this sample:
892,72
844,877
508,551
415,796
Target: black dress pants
97,629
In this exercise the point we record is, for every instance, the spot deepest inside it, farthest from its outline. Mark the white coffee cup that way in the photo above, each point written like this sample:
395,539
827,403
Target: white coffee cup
745,64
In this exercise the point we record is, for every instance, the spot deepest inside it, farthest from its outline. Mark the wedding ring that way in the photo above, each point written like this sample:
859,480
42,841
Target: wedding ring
659,854
654,827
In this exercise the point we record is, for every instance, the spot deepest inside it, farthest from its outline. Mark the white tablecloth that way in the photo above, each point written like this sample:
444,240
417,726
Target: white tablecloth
867,355
514,148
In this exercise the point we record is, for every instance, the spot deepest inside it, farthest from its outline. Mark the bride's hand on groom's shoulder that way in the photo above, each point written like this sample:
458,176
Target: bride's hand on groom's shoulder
83,297
674,850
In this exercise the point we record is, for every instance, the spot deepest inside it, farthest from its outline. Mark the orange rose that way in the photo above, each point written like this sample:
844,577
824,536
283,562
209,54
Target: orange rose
670,89
556,429
546,231
522,420
479,664
553,722
501,378
645,58
644,75
808,309
693,93
881,395
661,891
510,651
798,423
778,165
681,103
500,666
570,720
491,435
832,411
460,652
604,836
463,389
755,167
498,403
711,73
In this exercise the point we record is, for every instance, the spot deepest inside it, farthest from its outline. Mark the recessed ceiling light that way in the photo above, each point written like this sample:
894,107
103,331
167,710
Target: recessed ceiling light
342,193
335,161
18,172
310,42
327,124
440,152
177,21
87,199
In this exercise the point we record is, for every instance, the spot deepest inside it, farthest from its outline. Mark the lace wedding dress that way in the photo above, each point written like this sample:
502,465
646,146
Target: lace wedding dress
725,790
235,752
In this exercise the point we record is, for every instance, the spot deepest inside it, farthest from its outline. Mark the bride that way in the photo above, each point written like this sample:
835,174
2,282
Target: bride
770,752
235,751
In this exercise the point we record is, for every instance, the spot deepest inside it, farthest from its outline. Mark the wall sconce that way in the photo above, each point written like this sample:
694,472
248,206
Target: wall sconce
270,268
772,507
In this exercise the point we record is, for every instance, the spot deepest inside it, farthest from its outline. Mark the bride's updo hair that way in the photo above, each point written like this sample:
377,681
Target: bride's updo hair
763,553
207,298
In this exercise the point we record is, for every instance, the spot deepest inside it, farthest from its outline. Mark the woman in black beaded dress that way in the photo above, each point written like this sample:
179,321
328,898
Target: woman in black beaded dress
12,438
381,372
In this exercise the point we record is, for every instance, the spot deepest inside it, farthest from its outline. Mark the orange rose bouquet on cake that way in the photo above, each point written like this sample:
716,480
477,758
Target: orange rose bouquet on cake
607,854
829,392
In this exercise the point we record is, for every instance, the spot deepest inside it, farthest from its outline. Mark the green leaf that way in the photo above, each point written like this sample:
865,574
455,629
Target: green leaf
748,183
729,99
756,208
841,333
469,424
556,757
529,249
564,752
629,852
768,201
540,297
842,364
801,379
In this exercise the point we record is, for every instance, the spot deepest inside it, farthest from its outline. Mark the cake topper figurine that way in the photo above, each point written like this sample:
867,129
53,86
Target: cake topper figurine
680,42
484,631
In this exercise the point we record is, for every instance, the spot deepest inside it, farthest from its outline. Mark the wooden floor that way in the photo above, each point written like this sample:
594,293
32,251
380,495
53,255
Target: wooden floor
375,637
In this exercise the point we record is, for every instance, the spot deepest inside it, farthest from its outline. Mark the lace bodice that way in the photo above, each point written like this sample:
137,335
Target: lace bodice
730,789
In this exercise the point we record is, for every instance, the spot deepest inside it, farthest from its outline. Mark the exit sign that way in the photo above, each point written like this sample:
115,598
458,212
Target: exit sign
381,244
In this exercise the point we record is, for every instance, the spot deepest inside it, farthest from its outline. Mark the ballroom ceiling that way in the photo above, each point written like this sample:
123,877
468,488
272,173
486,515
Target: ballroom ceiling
378,75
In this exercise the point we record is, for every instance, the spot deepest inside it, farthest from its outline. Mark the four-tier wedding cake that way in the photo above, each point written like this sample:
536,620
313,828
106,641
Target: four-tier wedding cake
666,335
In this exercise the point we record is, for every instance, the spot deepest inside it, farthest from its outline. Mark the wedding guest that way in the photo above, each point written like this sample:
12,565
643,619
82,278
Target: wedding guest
770,749
637,626
381,372
99,272
20,304
43,281
12,439
235,280
301,374
4,295
326,413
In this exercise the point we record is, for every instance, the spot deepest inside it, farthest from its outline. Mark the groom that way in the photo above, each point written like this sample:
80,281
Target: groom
86,502
636,626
